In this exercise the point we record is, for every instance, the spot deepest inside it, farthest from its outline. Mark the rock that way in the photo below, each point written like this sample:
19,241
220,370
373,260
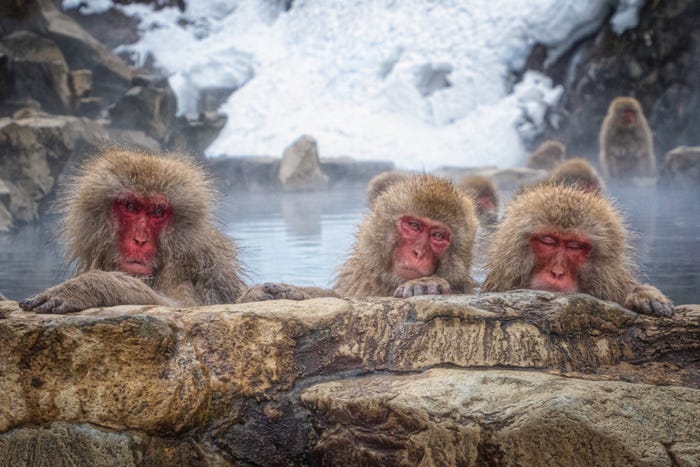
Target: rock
195,135
681,168
346,170
150,108
501,417
133,139
6,222
36,148
81,82
253,173
279,382
39,70
301,168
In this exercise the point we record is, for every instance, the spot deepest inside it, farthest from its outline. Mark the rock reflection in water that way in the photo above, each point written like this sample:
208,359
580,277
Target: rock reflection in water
302,237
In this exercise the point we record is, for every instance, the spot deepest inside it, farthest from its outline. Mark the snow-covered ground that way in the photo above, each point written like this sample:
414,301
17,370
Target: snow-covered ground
421,82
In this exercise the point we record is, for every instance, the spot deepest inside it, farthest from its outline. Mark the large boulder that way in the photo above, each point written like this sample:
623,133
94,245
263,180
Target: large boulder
301,167
286,382
34,150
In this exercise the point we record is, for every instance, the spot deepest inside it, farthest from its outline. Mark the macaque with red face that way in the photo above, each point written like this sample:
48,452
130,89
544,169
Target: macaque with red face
563,239
626,142
417,239
483,192
139,229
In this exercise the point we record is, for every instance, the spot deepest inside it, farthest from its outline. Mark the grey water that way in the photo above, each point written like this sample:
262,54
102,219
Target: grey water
301,238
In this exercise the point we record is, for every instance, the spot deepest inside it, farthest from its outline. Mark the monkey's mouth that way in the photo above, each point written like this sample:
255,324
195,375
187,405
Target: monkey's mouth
564,286
136,267
408,273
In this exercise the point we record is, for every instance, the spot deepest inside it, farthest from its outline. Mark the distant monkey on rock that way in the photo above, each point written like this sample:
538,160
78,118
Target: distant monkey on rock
548,155
681,168
485,197
563,239
626,143
139,229
577,172
416,240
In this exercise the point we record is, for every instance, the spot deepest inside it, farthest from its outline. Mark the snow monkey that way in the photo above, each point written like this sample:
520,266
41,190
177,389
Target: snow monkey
139,229
563,239
381,182
548,155
577,172
681,167
416,240
483,192
626,144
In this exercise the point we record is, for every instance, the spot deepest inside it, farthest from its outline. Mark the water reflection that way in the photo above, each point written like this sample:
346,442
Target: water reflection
303,237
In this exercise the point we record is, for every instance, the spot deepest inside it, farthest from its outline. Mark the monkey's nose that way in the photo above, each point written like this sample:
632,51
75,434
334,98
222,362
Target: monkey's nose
557,272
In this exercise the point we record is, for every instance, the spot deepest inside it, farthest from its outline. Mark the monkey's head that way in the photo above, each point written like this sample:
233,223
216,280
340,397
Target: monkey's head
625,110
380,182
419,226
562,239
121,210
483,192
547,155
577,172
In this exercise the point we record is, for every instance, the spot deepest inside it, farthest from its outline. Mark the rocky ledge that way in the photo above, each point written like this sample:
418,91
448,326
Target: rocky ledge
523,378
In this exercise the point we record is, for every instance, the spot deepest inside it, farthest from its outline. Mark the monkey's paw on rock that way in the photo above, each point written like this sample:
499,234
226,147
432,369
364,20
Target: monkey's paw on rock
272,291
649,300
432,285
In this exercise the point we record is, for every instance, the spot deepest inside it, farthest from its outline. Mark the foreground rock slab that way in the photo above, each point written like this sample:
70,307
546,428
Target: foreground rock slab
223,385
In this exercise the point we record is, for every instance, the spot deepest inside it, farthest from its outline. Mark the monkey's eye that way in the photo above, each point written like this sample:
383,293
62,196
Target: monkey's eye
414,225
158,211
130,206
439,236
547,240
573,245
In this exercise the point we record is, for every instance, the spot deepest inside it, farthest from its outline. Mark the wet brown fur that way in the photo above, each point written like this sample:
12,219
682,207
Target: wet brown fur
477,186
380,182
368,271
548,155
626,150
577,172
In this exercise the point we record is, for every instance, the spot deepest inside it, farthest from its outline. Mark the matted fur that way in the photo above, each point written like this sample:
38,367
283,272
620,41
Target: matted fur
609,275
626,150
196,264
368,271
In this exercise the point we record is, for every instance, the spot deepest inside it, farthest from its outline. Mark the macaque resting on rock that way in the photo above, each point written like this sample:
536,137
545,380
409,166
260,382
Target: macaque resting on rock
417,239
564,239
139,229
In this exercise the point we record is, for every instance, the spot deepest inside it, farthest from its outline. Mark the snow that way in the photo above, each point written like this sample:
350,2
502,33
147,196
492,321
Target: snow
419,82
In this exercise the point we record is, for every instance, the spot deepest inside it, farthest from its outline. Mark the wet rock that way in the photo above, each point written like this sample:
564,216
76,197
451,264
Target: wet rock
301,168
281,382
149,107
80,82
36,148
194,135
681,168
133,139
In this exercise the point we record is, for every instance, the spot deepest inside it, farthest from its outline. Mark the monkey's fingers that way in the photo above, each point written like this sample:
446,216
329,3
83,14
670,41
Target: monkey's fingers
29,303
52,305
283,291
662,307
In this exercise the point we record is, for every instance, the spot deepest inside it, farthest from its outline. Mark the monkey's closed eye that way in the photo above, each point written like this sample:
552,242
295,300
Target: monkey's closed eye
547,240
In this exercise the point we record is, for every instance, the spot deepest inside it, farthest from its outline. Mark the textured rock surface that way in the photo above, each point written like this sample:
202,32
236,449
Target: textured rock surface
224,384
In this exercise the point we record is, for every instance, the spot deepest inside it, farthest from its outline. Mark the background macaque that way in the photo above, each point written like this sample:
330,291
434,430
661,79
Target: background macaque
381,182
483,192
138,228
626,144
682,167
564,239
548,155
577,172
416,240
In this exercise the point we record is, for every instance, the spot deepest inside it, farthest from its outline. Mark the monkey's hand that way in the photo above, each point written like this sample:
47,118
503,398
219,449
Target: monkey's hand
431,285
649,300
280,291
94,289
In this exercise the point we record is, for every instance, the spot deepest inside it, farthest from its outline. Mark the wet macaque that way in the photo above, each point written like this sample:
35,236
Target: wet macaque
682,167
563,239
577,172
381,182
483,192
417,240
626,144
548,155
138,228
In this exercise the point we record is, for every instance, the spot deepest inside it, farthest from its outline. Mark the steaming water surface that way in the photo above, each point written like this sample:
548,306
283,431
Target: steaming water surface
302,237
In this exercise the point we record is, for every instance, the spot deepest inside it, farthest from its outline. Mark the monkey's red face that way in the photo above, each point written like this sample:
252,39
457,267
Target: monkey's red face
486,202
140,222
422,242
558,258
629,116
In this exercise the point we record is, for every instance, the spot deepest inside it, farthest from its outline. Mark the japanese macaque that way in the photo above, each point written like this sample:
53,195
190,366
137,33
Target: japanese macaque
139,230
380,182
483,192
416,240
548,155
681,167
626,144
577,172
563,239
